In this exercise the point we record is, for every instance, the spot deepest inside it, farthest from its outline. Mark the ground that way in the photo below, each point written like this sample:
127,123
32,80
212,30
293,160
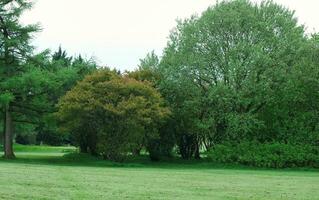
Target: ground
54,173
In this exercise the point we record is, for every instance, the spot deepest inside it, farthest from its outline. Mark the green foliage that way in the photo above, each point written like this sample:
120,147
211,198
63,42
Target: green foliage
49,135
150,62
5,99
273,155
26,139
238,72
163,145
145,75
15,74
241,71
115,114
63,76
61,57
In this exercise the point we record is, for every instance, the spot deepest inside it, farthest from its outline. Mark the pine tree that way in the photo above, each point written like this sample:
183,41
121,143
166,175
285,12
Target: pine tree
15,49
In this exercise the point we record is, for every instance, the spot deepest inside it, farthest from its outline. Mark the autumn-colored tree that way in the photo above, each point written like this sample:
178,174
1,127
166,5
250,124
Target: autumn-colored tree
111,115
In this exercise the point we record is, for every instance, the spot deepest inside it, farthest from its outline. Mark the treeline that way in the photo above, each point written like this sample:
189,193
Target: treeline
238,84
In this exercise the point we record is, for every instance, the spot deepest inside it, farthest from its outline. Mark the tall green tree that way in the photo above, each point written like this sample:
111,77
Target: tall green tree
224,71
15,77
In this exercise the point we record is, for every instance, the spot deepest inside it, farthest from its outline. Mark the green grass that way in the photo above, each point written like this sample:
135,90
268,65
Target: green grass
42,149
49,173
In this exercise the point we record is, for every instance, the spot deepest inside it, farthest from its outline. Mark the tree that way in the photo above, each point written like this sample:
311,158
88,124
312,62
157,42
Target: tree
14,49
148,72
63,76
150,62
111,115
31,84
222,70
62,57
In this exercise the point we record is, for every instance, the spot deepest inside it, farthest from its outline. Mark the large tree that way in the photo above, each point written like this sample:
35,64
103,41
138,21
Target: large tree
224,71
16,79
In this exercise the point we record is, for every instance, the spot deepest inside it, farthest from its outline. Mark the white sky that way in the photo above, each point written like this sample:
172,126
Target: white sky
120,32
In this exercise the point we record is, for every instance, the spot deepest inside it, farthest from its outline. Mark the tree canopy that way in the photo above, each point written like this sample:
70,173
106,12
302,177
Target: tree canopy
230,75
239,75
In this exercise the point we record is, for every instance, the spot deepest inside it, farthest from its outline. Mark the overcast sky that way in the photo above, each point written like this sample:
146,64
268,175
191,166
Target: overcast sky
120,32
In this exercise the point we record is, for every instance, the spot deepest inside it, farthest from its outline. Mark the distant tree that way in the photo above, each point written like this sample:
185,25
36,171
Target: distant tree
62,57
150,62
111,115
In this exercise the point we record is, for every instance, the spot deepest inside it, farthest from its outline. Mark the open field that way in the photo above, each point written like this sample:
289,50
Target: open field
46,173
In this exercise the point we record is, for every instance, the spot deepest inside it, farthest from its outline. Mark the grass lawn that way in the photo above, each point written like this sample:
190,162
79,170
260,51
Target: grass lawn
52,173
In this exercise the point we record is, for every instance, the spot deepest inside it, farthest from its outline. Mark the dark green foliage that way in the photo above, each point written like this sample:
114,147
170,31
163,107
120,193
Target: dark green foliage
273,155
62,58
26,139
66,71
51,136
164,144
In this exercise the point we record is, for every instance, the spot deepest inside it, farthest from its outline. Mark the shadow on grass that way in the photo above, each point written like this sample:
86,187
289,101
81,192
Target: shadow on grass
86,160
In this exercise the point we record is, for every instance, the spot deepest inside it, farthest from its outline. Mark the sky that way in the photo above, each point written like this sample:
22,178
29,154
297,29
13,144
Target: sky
117,33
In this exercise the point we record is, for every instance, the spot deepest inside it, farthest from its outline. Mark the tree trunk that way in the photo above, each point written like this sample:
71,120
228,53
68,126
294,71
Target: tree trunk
3,128
197,153
8,135
136,151
83,147
197,146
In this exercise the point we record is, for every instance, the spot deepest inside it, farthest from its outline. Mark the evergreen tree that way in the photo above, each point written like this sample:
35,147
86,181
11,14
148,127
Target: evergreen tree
15,75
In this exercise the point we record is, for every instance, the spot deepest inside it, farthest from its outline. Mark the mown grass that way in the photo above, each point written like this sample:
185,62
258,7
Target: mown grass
55,173
43,149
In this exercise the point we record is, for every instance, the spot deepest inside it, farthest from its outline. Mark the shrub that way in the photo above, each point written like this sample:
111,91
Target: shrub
272,155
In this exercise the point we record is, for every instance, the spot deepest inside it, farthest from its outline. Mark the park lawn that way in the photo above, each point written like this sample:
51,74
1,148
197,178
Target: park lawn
46,173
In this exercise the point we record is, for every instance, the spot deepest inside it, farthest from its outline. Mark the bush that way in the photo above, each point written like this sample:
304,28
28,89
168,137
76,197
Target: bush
272,155
112,112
